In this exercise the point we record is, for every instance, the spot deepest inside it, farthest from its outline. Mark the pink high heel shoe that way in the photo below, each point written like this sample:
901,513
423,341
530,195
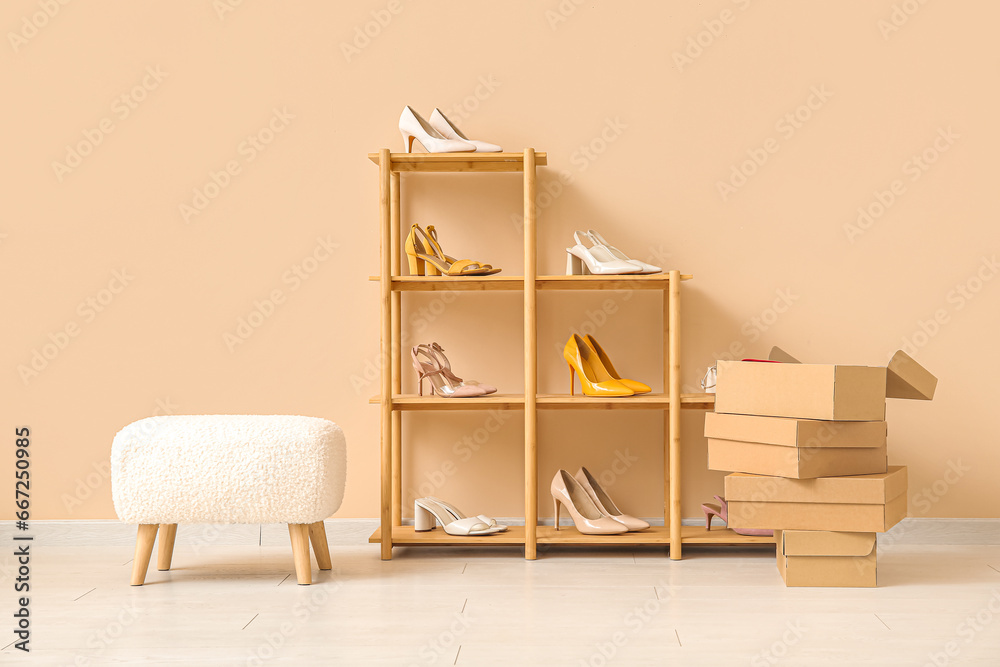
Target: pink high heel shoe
436,352
722,511
440,376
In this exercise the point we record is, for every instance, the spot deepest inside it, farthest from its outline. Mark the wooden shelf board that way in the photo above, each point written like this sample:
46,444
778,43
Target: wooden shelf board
570,535
460,162
652,535
654,401
516,283
548,402
491,402
657,281
698,401
719,536
449,284
407,536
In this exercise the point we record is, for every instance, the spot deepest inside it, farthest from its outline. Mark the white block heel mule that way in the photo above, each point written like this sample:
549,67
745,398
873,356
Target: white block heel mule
427,513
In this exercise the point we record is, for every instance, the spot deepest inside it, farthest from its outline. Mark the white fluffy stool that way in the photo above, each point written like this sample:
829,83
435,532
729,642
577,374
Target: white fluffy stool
228,469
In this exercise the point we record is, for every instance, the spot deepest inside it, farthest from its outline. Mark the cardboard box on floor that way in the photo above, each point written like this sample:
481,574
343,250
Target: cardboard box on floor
824,558
787,388
797,448
857,503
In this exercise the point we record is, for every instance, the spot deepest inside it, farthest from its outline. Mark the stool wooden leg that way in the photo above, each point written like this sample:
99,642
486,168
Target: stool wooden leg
168,531
299,532
317,534
143,550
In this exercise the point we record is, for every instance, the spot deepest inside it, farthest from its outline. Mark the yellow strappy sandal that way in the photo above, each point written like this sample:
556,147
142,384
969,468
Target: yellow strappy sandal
427,258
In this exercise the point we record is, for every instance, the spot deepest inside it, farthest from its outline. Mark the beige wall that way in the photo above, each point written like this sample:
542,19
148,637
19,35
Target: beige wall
775,258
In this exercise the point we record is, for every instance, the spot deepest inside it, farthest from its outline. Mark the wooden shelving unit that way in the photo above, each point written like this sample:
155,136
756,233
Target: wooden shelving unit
393,402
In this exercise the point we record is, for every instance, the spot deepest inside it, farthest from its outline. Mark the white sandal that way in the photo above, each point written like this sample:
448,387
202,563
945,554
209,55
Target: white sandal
708,382
596,260
599,241
427,513
454,511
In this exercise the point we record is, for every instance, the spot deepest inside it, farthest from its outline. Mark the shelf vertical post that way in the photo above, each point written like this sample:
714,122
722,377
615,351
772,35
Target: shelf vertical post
387,343
397,380
674,415
666,413
530,362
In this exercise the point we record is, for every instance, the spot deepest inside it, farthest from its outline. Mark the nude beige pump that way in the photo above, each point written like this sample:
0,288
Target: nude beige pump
604,502
588,518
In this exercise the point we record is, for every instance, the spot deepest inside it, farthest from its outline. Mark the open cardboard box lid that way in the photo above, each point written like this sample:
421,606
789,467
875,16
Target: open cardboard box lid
825,543
905,378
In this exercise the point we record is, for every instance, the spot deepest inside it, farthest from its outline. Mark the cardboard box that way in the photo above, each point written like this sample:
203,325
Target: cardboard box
797,448
858,503
818,391
823,558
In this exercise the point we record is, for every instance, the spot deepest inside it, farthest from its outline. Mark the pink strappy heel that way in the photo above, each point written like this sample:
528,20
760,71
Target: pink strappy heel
440,376
722,511
437,352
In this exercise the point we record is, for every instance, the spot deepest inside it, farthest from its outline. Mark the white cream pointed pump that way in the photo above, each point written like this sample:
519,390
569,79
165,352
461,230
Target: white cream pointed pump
448,129
413,126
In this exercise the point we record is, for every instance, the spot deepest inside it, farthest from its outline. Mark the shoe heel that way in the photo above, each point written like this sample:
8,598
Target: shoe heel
709,513
431,270
574,267
572,380
417,265
555,512
422,519
408,141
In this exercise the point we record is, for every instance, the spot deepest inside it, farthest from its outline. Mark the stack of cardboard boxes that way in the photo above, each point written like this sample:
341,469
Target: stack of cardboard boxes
808,444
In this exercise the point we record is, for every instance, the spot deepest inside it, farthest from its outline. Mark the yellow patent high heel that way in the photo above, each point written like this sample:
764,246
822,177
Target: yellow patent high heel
425,257
634,385
594,378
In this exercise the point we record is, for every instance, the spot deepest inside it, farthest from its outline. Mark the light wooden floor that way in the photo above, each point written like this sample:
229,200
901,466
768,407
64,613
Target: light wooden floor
231,605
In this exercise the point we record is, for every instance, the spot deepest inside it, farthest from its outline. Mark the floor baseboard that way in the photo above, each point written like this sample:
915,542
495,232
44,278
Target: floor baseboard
343,532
